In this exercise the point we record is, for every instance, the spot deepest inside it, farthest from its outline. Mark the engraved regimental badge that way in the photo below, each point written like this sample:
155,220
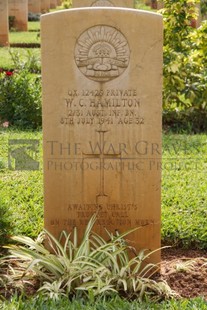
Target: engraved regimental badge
102,53
102,3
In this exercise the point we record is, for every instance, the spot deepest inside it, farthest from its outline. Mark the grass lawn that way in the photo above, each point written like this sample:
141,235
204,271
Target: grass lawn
23,54
34,26
21,191
109,304
24,37
184,190
31,36
20,37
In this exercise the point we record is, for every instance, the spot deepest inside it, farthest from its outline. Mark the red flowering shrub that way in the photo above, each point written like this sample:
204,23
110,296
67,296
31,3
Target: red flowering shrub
9,73
20,99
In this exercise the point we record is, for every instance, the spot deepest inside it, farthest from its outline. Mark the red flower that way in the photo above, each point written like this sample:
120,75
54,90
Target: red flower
9,73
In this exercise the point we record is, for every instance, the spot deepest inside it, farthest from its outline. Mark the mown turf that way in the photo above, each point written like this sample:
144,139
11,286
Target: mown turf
184,191
6,53
34,26
21,191
110,304
24,37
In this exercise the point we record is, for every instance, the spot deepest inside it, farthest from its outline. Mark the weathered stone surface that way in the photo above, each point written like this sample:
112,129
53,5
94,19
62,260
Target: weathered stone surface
199,18
4,24
34,6
160,5
102,90
19,9
53,4
102,3
45,6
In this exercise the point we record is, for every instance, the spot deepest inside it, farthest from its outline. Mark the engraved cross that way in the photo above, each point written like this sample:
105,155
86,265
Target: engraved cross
102,156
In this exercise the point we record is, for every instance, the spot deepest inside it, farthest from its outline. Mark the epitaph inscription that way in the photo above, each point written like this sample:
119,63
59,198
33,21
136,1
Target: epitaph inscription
102,121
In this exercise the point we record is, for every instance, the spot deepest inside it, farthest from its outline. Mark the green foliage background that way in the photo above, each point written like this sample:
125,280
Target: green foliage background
20,99
185,67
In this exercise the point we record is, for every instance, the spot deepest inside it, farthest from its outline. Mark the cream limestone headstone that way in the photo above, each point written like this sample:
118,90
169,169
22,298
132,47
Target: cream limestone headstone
199,19
102,3
19,9
34,6
102,90
45,6
4,23
160,5
53,4
148,2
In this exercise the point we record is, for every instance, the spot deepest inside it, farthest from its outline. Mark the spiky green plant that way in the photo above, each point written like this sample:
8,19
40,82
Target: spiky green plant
96,266
185,266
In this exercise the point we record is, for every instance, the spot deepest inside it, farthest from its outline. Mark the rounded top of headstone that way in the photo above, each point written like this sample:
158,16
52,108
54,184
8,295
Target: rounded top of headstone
102,53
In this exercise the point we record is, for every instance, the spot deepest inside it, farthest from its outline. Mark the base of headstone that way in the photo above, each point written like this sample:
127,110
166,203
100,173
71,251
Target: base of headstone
20,26
4,40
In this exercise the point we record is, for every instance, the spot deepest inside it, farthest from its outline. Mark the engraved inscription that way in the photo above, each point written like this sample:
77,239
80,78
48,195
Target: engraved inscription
101,155
102,107
109,214
104,219
102,3
102,53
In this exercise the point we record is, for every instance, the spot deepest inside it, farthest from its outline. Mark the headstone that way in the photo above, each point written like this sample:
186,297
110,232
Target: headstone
148,2
160,5
34,6
59,2
103,3
53,4
195,23
102,90
19,9
4,23
154,4
45,6
199,19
